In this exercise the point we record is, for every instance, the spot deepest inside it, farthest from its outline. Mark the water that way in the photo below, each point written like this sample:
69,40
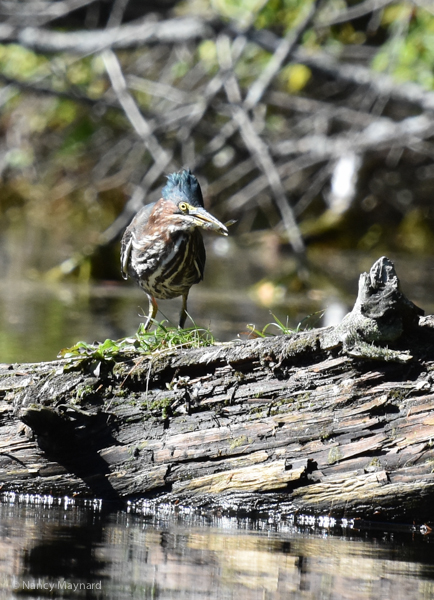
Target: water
38,318
58,549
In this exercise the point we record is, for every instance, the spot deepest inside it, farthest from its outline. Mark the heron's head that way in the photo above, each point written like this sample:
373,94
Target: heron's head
184,204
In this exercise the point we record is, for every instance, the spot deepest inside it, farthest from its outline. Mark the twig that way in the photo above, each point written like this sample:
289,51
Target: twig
378,135
382,83
36,88
353,12
282,52
161,157
117,13
313,150
315,186
310,106
22,13
172,31
211,90
327,64
155,88
257,147
232,176
245,195
176,31
131,110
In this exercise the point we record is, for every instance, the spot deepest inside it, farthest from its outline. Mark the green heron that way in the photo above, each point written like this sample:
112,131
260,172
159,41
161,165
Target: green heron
163,249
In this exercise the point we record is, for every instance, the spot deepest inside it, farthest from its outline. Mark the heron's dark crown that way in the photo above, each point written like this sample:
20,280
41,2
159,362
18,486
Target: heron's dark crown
183,186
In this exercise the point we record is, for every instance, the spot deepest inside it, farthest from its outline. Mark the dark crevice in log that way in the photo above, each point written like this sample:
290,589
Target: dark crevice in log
73,439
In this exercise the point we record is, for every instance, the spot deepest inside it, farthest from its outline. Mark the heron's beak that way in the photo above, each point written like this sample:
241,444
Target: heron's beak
202,218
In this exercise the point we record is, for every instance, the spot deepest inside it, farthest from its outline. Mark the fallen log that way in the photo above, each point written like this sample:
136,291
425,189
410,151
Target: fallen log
337,420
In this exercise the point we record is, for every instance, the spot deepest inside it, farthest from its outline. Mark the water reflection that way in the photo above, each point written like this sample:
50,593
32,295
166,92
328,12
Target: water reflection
79,552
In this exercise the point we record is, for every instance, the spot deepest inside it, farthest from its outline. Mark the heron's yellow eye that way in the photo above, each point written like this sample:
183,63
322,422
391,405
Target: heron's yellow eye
183,206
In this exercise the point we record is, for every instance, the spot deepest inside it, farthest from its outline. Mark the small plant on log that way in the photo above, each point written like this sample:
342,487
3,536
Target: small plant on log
143,342
308,322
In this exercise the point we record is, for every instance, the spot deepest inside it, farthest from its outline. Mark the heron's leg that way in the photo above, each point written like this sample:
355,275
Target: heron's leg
152,311
183,314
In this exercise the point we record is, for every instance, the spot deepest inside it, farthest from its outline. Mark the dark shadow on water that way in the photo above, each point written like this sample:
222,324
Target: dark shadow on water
67,552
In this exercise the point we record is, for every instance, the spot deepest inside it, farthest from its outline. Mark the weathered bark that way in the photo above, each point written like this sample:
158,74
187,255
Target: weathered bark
335,420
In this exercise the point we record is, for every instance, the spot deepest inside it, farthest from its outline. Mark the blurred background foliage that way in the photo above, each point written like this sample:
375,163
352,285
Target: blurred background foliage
87,135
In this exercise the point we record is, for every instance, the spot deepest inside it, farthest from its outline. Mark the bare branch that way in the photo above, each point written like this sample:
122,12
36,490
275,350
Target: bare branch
155,88
353,12
74,94
161,157
378,135
282,52
257,147
310,106
383,84
174,31
202,105
258,185
134,204
22,13
327,64
232,176
131,110
117,13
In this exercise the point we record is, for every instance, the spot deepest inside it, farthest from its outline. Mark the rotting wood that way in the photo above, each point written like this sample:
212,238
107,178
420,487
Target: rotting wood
335,420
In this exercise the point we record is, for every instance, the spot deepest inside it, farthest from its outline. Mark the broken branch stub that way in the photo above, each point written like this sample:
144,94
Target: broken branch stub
380,315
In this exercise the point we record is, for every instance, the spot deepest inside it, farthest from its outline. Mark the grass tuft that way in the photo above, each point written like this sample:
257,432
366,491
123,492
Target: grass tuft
142,343
308,322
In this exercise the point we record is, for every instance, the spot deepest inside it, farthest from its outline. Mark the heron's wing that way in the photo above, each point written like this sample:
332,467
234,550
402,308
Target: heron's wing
127,240
199,252
140,220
